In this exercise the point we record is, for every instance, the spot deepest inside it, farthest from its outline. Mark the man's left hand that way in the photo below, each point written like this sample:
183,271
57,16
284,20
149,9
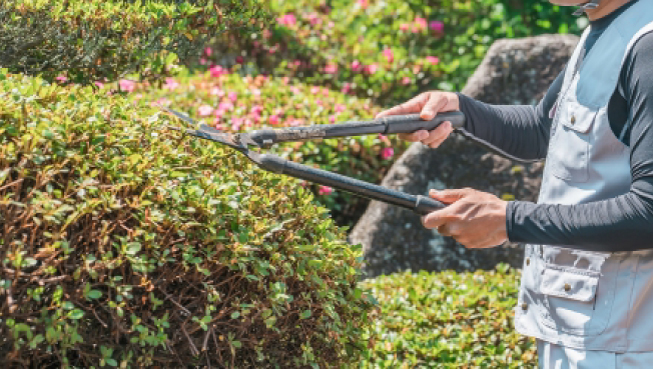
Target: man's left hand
475,219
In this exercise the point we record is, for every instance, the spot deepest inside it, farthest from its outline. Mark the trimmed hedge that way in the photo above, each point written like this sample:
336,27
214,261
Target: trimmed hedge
447,320
125,244
94,40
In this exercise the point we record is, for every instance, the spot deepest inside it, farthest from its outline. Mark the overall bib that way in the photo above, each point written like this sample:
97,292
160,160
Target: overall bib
590,309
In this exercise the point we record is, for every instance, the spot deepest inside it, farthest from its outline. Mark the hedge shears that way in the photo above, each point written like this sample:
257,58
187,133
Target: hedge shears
266,138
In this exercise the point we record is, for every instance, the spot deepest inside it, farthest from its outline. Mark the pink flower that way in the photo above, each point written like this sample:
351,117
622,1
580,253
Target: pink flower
240,59
99,84
256,92
287,20
356,66
332,119
203,61
387,153
432,59
205,110
364,3
127,85
371,69
233,96
216,91
325,91
331,69
295,90
340,108
171,84
346,88
225,105
325,190
404,27
314,19
217,71
406,81
315,90
420,24
274,120
257,110
389,55
436,26
61,79
331,25
236,123
207,51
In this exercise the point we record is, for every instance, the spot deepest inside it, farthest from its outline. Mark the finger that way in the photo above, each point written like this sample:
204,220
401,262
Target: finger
450,196
433,106
411,106
439,135
443,230
416,136
438,218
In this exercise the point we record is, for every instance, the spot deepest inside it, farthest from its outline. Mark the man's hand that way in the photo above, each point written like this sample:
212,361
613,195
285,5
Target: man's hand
473,218
428,105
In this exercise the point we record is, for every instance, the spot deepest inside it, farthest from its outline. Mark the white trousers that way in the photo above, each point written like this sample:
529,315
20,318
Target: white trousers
552,356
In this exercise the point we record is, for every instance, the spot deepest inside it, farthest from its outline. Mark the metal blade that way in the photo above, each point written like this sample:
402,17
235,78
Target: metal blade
179,115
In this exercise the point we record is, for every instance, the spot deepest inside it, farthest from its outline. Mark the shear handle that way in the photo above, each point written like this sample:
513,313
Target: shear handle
387,125
421,205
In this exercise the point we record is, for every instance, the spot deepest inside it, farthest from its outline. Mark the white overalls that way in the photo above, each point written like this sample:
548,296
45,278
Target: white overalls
590,309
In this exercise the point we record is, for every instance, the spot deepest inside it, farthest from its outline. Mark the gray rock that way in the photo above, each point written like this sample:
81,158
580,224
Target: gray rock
517,71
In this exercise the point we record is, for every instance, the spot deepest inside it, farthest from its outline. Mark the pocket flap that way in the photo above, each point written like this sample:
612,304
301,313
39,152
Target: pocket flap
577,117
570,283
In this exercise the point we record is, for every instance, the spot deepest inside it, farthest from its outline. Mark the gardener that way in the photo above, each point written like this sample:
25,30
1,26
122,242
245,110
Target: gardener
587,284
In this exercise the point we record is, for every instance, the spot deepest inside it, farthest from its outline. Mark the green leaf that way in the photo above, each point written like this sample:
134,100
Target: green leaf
94,294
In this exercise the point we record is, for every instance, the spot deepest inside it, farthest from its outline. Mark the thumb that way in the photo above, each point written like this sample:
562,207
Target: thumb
449,196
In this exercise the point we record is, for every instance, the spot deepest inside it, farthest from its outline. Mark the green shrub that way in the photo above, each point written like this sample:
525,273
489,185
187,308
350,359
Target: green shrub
392,49
123,243
93,40
447,320
235,103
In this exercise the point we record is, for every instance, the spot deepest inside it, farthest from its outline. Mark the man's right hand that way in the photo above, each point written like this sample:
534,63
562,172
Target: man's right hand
428,105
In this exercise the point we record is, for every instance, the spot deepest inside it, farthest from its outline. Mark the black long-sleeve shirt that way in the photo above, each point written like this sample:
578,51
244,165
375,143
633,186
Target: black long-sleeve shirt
623,223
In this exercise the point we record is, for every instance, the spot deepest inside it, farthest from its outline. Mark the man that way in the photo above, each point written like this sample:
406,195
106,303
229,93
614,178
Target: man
586,293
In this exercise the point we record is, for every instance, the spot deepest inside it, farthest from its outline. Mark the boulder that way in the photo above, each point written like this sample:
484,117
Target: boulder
517,71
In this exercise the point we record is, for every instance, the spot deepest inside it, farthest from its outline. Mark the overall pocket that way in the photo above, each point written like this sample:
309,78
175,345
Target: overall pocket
577,289
569,298
570,145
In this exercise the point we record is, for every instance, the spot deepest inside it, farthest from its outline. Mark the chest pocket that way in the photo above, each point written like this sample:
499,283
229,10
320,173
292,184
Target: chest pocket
569,149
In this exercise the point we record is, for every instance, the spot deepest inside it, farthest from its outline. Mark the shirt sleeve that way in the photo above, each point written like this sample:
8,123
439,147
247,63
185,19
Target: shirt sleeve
520,132
623,223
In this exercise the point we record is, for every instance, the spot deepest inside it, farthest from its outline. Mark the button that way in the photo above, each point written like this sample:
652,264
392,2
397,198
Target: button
567,287
524,306
573,119
528,261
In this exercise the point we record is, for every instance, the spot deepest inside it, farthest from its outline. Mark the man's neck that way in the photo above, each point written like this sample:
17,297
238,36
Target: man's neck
606,8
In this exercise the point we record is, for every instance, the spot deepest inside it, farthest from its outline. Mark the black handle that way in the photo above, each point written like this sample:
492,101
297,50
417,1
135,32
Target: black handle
420,204
387,125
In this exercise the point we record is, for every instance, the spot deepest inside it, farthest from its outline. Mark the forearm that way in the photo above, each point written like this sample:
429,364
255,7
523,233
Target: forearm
518,131
624,223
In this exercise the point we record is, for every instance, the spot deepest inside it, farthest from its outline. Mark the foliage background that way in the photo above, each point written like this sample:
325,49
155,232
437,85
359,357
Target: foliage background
300,62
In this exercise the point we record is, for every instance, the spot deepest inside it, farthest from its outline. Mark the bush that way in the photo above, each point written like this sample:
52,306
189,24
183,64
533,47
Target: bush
387,50
231,102
123,243
94,40
447,320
